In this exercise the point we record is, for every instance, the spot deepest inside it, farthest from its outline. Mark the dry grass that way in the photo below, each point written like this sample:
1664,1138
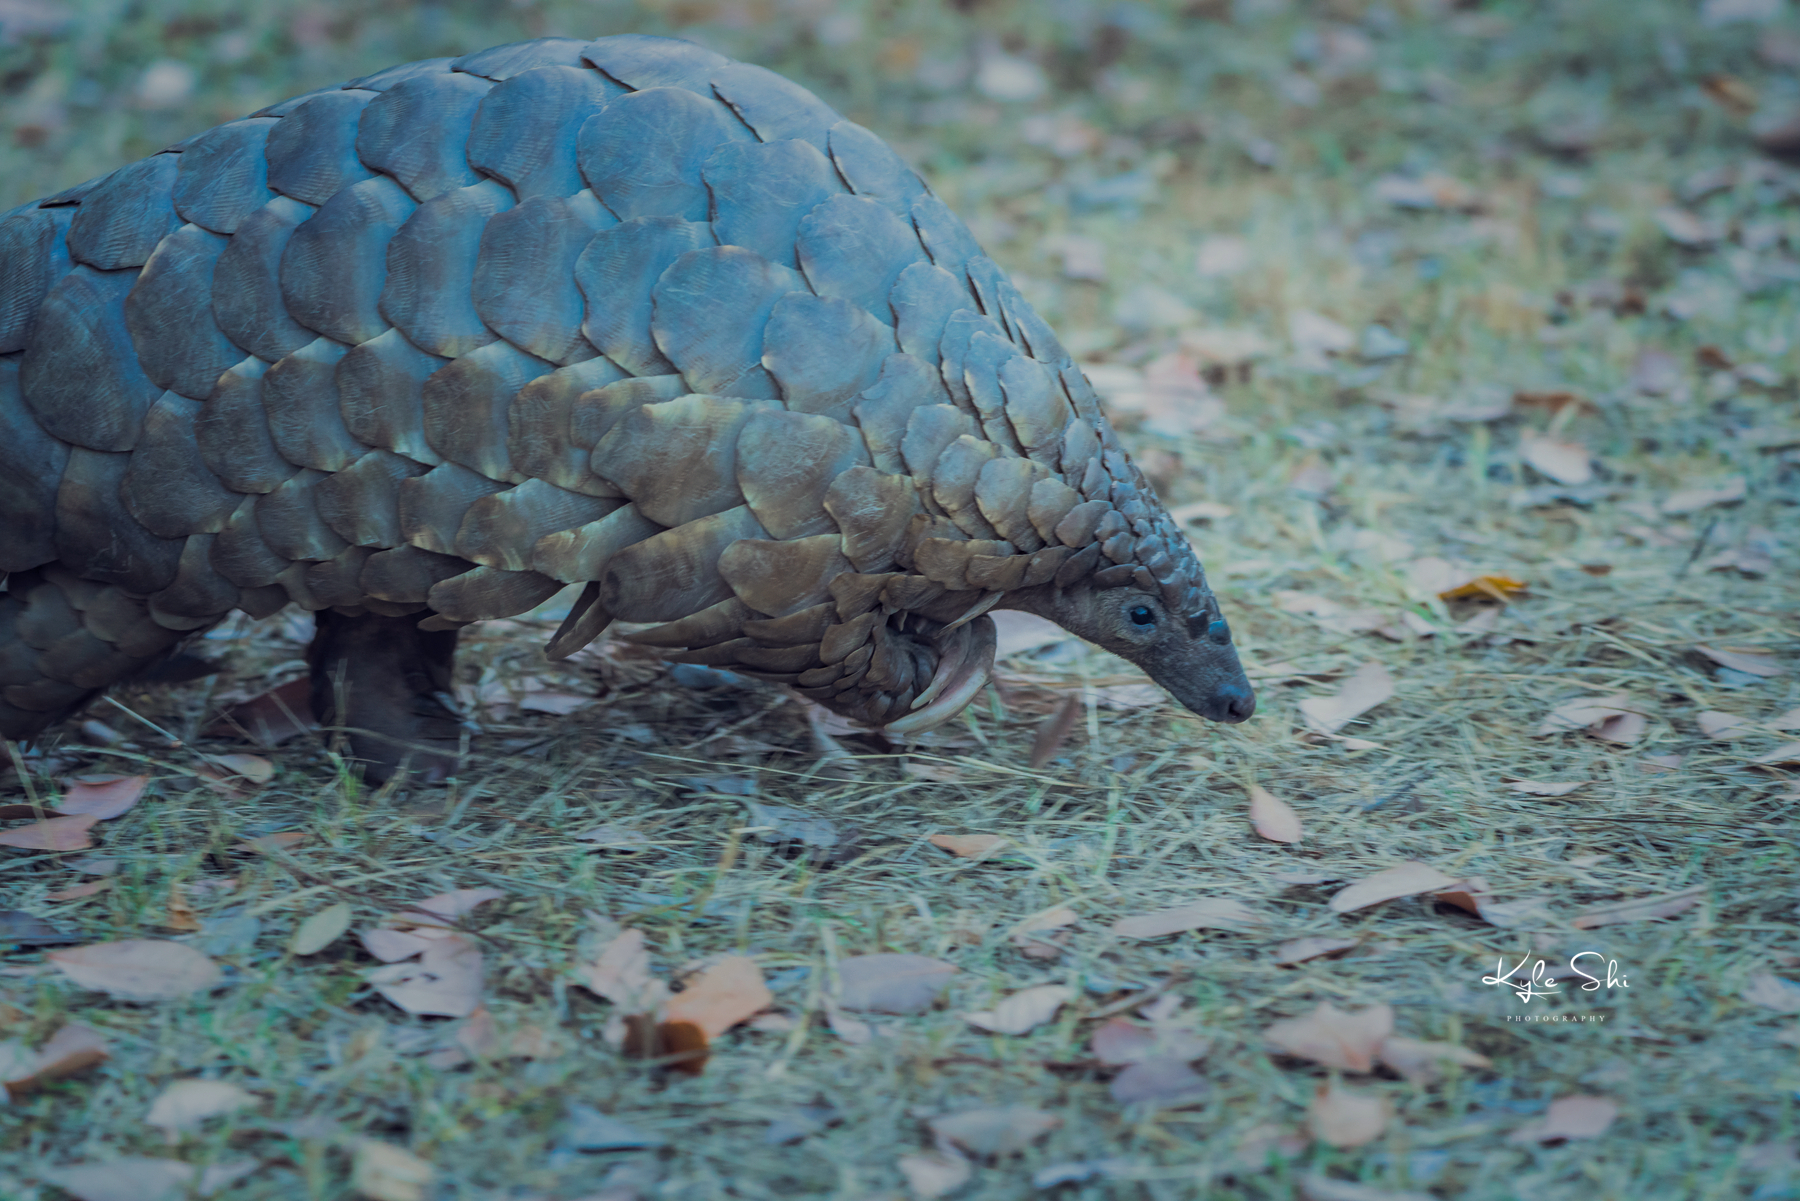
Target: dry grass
1142,807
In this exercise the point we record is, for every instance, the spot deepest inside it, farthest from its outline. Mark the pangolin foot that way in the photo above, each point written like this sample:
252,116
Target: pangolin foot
393,682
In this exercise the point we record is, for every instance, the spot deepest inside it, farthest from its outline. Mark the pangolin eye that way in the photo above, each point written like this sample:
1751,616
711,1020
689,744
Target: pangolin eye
1142,616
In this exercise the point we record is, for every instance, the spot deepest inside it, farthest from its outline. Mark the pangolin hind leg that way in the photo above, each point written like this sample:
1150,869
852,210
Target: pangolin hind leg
394,681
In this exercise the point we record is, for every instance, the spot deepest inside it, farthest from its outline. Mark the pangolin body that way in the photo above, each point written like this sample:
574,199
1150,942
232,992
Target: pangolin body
437,342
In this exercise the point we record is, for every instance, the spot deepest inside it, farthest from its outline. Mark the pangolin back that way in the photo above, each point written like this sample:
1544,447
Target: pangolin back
448,337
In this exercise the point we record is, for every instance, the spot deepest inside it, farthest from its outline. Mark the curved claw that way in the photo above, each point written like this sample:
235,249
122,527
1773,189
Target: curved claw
953,653
961,681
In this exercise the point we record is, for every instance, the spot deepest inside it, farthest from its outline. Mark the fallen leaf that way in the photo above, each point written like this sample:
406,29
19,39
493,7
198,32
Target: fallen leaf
793,825
1119,1040
447,907
992,1133
1611,717
933,1175
1299,950
1024,1011
52,834
1343,1117
445,981
136,1178
587,1129
559,704
1272,817
1159,1081
101,797
275,717
622,838
1547,788
22,929
185,1104
1692,500
1054,730
1334,1038
1367,687
1499,587
938,773
1054,918
1784,755
1640,909
1722,727
73,1048
321,929
1755,663
1565,462
1317,1187
621,974
891,983
1422,1062
138,969
1208,913
728,991
969,846
79,891
383,1172
854,1031
1569,1117
1772,992
268,844
245,769
181,915
1402,880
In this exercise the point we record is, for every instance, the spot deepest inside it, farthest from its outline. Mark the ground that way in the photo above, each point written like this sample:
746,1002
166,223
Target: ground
1385,297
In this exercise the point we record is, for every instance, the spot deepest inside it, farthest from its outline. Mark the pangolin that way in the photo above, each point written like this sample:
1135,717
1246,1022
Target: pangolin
426,347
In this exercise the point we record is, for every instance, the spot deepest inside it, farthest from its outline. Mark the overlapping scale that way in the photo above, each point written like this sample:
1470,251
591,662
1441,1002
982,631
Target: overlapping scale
643,152
525,130
523,287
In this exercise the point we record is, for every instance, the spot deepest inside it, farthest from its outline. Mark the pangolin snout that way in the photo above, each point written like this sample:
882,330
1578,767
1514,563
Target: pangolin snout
1231,703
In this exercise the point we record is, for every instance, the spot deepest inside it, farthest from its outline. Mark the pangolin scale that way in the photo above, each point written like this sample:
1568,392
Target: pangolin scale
427,347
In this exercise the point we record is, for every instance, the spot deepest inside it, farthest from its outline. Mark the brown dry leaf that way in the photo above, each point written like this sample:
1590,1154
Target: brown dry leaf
1054,730
1422,1062
1024,1011
185,1104
969,846
1317,1187
52,834
1569,1117
891,983
1343,1117
1045,920
80,890
266,844
101,797
322,929
383,1172
1299,950
992,1133
1590,713
1640,909
1722,727
1334,1038
73,1048
854,1031
138,969
937,773
1750,662
1272,817
1119,1040
622,974
445,980
446,907
1403,880
271,719
1772,992
1208,913
243,769
138,1178
1161,1081
180,914
1785,755
934,1175
1692,500
1565,462
728,991
1500,587
1547,788
1367,687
